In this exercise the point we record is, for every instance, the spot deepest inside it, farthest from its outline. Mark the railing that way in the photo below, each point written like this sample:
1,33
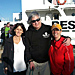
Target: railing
70,3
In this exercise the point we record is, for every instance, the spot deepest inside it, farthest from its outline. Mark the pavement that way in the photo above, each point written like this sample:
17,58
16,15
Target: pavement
1,64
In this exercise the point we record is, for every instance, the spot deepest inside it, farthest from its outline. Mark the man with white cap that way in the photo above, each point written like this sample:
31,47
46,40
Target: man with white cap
61,56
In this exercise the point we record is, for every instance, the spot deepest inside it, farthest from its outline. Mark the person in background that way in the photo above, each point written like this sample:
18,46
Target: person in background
3,35
14,52
38,38
61,56
7,28
10,31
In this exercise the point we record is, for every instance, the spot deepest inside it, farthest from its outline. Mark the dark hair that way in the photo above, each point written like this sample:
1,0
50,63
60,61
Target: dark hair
0,20
5,24
15,26
8,22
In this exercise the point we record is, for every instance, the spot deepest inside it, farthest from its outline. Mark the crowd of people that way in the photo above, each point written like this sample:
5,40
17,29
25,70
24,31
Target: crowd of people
40,50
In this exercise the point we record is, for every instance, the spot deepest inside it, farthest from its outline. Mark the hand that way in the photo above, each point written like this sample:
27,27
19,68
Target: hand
5,70
32,66
67,41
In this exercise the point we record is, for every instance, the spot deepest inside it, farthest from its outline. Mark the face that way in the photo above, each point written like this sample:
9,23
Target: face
36,22
18,31
56,33
8,25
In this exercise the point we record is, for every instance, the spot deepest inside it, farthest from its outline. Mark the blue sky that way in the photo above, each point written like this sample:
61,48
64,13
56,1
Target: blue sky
8,7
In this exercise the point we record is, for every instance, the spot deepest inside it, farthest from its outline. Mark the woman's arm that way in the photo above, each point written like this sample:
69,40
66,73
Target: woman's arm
68,60
5,57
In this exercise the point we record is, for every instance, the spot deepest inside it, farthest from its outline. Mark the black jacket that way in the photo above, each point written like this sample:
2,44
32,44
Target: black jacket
38,43
8,53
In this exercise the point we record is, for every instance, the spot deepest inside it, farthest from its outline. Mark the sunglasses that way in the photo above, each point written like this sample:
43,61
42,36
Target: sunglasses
33,21
56,29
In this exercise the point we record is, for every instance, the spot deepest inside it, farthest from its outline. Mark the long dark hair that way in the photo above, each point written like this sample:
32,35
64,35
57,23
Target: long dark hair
22,26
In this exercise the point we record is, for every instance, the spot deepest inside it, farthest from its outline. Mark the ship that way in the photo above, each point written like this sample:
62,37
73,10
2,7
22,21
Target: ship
51,11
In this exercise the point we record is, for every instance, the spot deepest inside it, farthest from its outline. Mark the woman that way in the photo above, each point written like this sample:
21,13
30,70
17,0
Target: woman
14,48
61,56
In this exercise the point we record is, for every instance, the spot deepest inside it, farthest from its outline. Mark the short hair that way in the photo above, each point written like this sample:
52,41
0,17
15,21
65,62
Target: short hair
0,20
15,26
32,14
11,24
8,22
5,24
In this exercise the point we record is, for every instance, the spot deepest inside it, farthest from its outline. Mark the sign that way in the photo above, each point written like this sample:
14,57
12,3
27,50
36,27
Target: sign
66,24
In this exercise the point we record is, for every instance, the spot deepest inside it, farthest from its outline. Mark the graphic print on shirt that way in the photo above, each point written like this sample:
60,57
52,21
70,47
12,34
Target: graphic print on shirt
46,35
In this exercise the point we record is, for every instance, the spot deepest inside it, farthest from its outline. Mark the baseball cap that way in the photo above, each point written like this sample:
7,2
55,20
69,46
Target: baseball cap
58,26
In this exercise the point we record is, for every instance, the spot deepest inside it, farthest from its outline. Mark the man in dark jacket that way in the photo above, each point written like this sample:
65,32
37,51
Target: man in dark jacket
38,39
3,35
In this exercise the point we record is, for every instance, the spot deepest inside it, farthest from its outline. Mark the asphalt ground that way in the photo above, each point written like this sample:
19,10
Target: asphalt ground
1,64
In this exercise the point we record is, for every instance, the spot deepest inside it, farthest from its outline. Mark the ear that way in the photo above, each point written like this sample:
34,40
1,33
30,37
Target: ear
14,30
22,32
61,31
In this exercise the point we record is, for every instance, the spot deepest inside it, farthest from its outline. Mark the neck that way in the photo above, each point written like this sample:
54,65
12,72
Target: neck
57,38
37,28
16,39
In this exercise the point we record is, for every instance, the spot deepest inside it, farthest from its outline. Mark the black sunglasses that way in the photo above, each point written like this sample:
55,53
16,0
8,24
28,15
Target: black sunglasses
56,29
33,21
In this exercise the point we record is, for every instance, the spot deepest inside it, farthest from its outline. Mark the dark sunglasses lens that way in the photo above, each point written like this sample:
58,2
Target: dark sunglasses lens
33,21
38,19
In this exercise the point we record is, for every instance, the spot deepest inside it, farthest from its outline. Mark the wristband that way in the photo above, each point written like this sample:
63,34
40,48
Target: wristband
30,61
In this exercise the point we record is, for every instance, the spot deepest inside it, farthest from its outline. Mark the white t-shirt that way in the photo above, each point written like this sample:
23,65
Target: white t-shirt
19,63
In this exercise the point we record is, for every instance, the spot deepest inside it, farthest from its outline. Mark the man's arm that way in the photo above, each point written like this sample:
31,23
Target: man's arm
67,40
28,54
